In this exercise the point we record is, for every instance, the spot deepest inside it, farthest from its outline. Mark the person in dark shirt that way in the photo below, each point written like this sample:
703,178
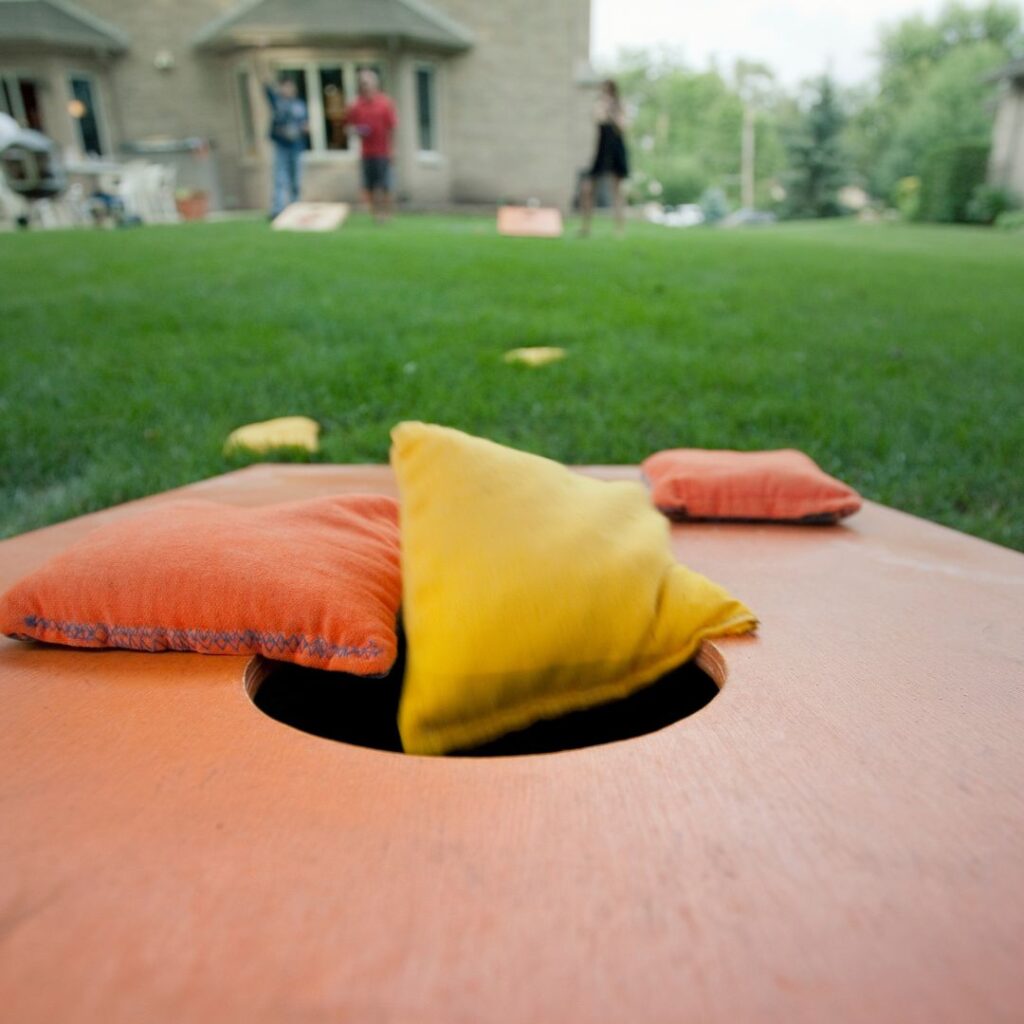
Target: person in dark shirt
611,160
289,126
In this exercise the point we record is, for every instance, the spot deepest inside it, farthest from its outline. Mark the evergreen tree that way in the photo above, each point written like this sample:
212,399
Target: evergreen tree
817,164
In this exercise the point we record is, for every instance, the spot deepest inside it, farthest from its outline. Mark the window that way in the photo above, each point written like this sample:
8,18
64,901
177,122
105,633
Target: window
327,88
85,111
244,81
426,109
19,97
30,104
334,103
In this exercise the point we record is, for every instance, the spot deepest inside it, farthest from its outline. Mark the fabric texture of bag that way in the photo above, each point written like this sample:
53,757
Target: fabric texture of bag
313,582
530,590
784,485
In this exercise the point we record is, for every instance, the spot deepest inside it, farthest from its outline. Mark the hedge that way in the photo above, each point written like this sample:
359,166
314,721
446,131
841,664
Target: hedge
951,174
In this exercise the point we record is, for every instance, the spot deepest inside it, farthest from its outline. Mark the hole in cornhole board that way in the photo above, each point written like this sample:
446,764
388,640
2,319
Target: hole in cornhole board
364,712
530,221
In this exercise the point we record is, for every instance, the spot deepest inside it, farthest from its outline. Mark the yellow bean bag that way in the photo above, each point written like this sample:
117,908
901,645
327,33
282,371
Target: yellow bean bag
539,355
284,432
530,591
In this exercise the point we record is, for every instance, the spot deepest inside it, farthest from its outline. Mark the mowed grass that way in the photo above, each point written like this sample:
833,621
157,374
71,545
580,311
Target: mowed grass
892,355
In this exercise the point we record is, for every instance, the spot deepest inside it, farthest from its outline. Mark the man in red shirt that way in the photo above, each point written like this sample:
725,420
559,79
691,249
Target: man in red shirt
372,118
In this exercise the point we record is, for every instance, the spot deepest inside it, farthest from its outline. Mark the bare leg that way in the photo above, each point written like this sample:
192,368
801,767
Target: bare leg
619,200
586,204
368,200
384,205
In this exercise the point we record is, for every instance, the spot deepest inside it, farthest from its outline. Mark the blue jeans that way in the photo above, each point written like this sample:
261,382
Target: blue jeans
286,176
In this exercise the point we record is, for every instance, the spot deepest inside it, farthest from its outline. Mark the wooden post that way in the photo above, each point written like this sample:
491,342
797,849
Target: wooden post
747,158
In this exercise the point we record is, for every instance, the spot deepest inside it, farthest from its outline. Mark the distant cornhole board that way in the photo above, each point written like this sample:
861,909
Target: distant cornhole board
530,221
311,217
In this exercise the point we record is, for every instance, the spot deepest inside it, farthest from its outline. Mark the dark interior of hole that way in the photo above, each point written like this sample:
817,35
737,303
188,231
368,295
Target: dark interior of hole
364,712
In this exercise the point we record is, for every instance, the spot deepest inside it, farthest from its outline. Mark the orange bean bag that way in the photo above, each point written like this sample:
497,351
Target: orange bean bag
314,582
786,485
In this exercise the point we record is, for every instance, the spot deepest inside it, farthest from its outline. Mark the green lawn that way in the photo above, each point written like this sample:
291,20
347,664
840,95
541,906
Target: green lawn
893,355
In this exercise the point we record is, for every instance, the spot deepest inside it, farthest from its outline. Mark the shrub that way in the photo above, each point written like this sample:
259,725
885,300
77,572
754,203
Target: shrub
951,175
987,202
906,197
714,205
1010,220
682,179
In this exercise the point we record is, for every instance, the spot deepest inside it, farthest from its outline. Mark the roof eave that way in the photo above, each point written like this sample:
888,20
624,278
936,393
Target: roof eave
49,44
120,41
227,42
224,33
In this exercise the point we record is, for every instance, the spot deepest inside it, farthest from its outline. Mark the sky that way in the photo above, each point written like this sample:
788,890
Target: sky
796,38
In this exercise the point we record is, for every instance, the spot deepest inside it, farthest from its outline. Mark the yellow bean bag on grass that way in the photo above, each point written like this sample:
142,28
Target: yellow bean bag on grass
284,432
530,591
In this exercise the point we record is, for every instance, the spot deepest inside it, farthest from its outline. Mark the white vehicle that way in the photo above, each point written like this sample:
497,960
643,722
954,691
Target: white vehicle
689,215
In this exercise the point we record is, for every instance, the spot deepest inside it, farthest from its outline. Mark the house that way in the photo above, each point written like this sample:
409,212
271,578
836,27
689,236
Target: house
493,96
1006,163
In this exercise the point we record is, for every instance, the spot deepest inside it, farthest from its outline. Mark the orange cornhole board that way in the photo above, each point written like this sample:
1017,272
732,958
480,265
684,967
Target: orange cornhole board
311,217
838,836
530,221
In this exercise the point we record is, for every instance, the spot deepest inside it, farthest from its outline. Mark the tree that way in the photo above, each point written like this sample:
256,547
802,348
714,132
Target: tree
688,125
817,164
948,108
887,136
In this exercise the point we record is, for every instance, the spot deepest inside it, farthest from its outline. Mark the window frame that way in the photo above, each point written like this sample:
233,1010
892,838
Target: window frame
319,119
433,154
245,78
99,112
13,104
310,68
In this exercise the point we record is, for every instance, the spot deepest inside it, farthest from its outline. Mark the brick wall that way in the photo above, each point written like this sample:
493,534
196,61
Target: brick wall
195,98
514,122
520,122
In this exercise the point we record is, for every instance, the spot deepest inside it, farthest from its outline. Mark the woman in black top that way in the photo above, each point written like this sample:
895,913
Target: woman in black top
611,159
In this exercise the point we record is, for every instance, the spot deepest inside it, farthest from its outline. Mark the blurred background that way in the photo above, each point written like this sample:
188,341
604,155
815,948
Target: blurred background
750,108
823,246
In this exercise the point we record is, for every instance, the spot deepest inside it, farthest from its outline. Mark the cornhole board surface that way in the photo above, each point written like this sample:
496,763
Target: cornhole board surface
838,836
530,221
311,217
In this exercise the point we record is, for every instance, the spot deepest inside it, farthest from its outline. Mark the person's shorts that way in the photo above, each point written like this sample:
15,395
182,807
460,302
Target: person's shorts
377,173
